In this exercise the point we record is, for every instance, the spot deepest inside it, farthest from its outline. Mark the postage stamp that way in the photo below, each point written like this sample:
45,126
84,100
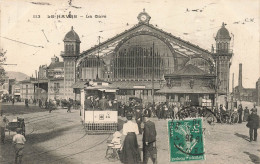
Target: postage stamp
186,140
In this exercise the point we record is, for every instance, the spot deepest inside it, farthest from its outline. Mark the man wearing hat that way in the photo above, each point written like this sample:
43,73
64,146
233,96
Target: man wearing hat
240,111
103,103
246,114
149,140
138,118
253,124
18,141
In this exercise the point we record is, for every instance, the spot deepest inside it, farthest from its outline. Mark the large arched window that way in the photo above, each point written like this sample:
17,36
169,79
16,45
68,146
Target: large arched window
89,68
142,57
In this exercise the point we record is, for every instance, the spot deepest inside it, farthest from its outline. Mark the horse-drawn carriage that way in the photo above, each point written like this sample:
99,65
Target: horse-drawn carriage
230,117
16,123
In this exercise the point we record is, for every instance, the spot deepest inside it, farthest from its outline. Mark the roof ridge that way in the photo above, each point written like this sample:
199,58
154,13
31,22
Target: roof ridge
148,25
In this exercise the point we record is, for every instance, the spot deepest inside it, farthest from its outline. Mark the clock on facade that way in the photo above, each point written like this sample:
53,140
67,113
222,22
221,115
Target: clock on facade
144,17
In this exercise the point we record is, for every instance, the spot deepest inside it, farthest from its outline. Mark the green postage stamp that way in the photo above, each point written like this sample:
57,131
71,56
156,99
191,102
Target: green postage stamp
186,140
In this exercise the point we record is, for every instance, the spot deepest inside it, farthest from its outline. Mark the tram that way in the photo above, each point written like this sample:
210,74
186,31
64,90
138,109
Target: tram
99,108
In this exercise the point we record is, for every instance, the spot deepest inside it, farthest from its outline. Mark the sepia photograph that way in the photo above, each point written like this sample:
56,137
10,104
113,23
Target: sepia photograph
129,82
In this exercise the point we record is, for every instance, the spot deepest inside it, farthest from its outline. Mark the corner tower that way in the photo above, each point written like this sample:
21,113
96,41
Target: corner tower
70,54
223,57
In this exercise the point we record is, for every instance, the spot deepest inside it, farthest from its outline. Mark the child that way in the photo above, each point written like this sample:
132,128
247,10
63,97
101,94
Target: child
116,141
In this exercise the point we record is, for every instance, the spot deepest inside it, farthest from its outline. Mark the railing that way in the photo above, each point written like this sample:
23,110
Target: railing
230,51
101,127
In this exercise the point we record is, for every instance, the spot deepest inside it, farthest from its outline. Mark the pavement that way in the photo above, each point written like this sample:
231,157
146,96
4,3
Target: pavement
60,138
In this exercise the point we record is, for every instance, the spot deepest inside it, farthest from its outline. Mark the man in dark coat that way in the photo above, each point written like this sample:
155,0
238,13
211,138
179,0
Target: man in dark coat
103,103
138,118
253,124
149,141
240,111
246,114
26,102
69,106
88,104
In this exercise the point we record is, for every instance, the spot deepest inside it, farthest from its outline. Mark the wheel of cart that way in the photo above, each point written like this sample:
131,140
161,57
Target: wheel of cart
224,117
211,118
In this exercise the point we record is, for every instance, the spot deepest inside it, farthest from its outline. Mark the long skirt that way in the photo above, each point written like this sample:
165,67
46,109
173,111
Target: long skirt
130,151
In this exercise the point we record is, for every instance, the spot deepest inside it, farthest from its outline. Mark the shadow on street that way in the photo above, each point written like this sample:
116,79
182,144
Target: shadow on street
34,154
254,158
242,136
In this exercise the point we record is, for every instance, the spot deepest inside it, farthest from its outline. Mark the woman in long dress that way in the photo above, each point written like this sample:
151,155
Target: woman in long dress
130,150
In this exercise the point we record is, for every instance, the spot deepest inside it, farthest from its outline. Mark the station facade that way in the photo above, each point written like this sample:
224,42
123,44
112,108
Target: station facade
145,60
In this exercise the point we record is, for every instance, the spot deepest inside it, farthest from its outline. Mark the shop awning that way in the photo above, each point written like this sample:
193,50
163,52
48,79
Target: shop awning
135,85
102,88
40,81
79,84
187,89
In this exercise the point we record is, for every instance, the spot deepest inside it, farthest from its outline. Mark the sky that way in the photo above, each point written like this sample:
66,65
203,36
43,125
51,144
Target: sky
31,38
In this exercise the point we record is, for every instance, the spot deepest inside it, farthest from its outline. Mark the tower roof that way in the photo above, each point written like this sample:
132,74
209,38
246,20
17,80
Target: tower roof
223,33
71,36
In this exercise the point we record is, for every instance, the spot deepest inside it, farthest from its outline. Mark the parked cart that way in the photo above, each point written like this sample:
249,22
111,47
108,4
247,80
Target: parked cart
16,123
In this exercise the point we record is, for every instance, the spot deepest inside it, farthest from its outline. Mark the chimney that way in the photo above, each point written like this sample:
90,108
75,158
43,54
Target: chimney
240,76
54,59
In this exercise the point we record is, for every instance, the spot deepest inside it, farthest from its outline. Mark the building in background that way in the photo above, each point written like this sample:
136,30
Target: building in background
16,90
6,85
70,54
245,94
50,81
42,74
27,89
145,60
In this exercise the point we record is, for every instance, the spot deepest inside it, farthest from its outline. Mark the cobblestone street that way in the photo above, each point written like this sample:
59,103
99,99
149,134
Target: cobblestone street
59,137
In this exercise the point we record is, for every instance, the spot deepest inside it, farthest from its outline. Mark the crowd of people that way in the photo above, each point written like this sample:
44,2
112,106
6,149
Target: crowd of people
142,125
95,103
54,104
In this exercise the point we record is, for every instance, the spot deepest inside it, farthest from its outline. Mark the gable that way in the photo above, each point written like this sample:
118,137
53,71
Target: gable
181,47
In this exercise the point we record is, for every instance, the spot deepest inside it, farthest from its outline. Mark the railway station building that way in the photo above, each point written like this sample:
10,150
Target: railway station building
149,63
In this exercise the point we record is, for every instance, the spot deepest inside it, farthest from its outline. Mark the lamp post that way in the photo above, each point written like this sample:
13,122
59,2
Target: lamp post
153,74
216,81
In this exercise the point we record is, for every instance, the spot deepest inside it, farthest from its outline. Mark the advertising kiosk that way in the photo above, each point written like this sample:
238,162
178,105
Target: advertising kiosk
98,114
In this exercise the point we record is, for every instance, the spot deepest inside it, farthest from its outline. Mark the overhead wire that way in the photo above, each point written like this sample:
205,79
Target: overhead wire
21,42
